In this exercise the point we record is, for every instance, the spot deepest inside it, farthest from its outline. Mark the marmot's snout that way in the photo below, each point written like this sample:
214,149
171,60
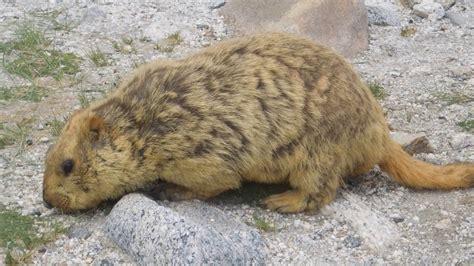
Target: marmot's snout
46,203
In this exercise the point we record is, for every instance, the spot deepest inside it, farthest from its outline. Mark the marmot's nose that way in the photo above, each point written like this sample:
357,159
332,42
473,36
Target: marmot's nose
46,203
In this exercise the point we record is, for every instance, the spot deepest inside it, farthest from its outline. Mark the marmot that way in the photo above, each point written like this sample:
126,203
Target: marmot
268,108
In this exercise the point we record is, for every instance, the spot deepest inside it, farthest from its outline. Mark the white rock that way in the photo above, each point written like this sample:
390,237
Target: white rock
429,9
44,139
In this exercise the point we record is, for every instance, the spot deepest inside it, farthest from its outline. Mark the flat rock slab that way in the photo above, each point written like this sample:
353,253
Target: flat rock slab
340,24
189,232
377,230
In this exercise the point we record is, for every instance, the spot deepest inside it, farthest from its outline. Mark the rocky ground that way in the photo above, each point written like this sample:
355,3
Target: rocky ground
424,66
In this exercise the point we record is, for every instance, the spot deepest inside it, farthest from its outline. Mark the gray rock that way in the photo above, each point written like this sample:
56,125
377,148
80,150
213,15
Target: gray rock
462,140
429,9
382,17
352,241
465,19
188,233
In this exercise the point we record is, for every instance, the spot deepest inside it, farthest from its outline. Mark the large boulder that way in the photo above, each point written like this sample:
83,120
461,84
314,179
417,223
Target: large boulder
341,24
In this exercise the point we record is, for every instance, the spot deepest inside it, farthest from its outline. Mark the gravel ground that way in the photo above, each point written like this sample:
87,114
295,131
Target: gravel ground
417,73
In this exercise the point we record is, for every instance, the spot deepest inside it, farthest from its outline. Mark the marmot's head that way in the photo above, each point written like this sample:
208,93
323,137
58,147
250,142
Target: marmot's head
74,178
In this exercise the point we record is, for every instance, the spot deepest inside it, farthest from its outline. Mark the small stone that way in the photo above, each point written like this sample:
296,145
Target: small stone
429,9
29,142
412,143
202,26
42,250
127,48
352,242
443,224
462,140
398,219
395,74
215,4
44,139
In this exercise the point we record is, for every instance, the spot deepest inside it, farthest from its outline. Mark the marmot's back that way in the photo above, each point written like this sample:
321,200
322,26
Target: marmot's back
256,97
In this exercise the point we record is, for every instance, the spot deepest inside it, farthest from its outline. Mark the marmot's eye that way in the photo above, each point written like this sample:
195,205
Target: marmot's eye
67,166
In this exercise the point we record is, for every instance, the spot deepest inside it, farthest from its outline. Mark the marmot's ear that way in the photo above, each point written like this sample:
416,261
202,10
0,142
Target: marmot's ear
96,125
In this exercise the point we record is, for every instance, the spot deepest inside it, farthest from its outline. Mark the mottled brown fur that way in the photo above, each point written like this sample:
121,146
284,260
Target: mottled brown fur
268,108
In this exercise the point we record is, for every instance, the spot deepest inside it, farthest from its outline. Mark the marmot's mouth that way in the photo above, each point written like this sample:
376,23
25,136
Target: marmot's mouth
57,200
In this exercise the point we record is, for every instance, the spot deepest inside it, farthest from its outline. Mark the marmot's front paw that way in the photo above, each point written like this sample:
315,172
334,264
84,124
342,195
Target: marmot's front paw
291,201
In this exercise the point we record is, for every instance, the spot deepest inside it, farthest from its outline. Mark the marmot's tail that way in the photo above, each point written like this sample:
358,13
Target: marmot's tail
413,173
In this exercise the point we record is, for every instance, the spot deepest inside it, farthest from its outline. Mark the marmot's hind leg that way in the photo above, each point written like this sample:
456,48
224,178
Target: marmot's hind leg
302,197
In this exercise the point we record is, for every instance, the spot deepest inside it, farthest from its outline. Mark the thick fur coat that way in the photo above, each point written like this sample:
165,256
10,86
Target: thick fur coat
270,108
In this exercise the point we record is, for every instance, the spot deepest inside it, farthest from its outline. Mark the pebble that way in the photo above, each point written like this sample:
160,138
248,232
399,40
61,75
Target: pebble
352,241
44,139
395,74
398,219
214,4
